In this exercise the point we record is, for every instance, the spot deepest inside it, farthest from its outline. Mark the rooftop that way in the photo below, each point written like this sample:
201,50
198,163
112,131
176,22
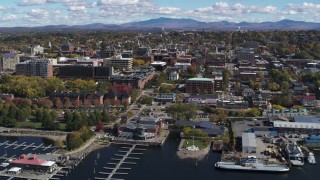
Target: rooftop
200,79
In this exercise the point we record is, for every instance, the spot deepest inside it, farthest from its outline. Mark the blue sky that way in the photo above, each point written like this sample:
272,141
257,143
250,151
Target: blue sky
73,12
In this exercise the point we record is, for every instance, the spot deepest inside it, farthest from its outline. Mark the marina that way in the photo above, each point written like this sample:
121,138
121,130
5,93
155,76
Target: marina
144,163
120,161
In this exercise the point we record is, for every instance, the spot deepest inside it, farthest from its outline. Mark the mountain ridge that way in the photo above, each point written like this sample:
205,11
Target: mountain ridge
174,24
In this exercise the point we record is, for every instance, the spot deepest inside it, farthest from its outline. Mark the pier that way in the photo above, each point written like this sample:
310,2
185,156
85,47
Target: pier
120,160
16,145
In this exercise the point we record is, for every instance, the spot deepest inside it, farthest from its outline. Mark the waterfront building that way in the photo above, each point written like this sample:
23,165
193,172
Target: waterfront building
32,162
312,141
285,112
249,144
42,68
138,131
296,127
200,85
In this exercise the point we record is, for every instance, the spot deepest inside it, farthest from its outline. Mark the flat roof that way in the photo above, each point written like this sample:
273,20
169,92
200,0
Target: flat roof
200,79
48,163
158,63
296,125
249,140
14,169
306,119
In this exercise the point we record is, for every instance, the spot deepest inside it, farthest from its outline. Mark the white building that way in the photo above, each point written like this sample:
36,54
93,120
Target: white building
249,144
34,50
174,76
119,61
183,66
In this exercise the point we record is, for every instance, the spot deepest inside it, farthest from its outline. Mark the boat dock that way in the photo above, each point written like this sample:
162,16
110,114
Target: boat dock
120,159
16,145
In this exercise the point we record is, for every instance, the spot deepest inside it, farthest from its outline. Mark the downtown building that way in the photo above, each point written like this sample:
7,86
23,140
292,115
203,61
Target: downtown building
97,73
42,68
118,62
200,85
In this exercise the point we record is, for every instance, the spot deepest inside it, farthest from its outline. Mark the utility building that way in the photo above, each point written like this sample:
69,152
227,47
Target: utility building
249,144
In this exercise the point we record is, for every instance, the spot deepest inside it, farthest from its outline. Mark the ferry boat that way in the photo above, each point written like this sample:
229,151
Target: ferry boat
295,154
311,159
251,164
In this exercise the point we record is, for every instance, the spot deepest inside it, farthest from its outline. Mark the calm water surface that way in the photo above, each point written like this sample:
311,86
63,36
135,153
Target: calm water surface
163,164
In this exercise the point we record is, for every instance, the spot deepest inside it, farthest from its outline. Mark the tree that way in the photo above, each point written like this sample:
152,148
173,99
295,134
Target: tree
273,86
147,100
20,115
98,115
54,115
57,102
182,111
275,106
74,140
67,103
86,134
53,84
92,119
12,112
106,117
99,126
254,112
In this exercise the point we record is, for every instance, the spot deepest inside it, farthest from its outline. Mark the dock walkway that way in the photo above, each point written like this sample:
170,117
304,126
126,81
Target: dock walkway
121,160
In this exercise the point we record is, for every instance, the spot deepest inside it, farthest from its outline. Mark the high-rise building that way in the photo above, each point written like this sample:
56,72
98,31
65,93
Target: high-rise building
40,67
118,62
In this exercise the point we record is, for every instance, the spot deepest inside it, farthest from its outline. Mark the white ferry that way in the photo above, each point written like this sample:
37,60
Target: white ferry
252,164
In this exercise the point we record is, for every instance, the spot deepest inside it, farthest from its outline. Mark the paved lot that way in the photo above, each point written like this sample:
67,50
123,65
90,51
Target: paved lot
239,127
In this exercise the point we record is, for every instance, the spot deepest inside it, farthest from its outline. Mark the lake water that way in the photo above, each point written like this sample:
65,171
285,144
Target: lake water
162,163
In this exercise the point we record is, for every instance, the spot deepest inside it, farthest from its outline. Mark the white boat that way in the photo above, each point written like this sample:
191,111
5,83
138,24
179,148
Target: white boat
252,164
311,158
192,148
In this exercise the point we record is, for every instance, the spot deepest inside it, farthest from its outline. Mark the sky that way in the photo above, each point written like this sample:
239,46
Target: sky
29,13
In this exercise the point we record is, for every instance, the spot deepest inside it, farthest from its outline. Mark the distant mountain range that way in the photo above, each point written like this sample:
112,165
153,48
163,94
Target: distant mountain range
172,24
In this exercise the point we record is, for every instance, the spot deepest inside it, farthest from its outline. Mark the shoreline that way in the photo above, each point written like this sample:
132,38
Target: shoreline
183,153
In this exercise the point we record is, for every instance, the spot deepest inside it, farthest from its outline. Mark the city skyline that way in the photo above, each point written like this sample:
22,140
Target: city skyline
78,12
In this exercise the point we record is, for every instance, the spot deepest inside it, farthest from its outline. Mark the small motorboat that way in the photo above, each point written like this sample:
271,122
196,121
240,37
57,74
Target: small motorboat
311,158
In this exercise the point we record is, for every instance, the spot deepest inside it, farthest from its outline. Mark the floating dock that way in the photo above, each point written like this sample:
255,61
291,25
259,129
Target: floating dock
120,160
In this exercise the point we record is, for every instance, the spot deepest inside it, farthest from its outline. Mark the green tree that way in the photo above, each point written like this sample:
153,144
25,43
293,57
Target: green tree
39,115
74,140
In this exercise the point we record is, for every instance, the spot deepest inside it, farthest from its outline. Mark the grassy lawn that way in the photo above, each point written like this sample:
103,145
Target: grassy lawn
201,144
36,125
225,138
29,124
